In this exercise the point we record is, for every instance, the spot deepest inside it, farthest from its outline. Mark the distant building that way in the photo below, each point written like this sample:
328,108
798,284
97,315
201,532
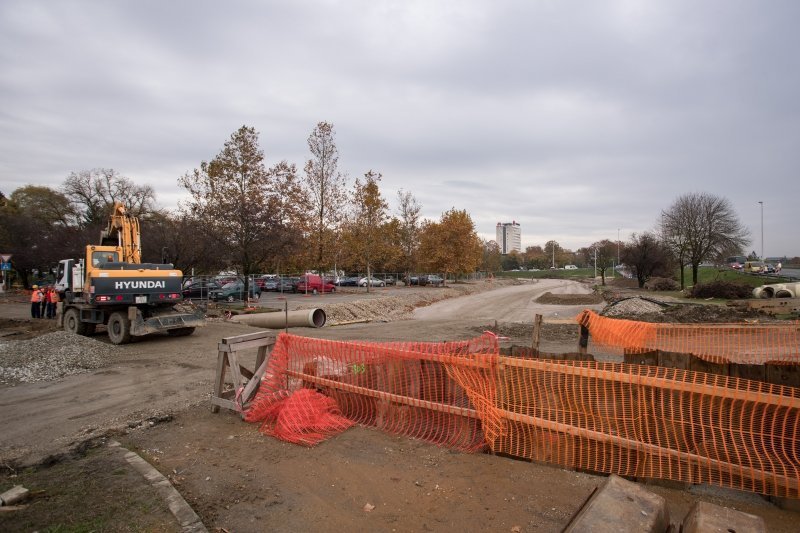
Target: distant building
509,237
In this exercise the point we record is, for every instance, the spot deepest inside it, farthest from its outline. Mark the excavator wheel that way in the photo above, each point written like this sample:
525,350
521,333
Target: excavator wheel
119,328
72,322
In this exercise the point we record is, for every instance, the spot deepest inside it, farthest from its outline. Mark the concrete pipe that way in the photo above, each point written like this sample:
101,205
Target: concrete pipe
310,318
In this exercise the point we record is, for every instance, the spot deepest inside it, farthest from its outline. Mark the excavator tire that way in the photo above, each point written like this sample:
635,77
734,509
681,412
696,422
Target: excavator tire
72,322
119,328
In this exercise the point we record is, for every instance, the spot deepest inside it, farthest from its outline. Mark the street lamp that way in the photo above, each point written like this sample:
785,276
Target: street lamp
762,229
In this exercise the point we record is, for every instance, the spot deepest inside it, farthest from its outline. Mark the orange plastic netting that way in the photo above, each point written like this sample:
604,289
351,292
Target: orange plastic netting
631,420
716,343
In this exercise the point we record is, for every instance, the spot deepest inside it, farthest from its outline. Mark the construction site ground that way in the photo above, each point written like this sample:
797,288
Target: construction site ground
152,397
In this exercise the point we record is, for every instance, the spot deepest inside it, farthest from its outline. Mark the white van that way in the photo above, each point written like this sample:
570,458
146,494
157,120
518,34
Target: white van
570,267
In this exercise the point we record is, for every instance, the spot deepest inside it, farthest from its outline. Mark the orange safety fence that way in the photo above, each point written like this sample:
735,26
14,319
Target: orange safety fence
716,343
631,420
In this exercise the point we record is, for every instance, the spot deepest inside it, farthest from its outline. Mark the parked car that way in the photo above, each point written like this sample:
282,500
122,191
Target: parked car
431,279
314,284
234,291
570,267
286,284
261,281
199,288
371,281
753,267
351,281
769,268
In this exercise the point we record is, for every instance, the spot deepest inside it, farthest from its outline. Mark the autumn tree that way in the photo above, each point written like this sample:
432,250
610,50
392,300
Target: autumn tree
37,226
408,216
325,188
648,256
230,201
552,251
699,227
451,245
492,259
368,218
93,193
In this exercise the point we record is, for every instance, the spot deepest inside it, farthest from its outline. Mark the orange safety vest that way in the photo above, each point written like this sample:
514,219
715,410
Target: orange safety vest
36,296
54,297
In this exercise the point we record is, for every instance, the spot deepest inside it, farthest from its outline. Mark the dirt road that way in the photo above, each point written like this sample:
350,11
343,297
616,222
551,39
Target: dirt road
152,396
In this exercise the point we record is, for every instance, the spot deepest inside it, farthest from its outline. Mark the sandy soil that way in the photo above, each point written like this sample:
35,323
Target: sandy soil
152,396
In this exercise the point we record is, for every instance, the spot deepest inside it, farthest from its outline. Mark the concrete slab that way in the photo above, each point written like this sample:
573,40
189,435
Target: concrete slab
621,506
706,517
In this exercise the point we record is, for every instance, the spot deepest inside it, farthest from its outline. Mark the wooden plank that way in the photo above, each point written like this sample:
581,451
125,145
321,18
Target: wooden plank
239,346
248,337
752,372
697,364
646,358
219,379
787,375
386,396
255,381
583,341
227,404
673,360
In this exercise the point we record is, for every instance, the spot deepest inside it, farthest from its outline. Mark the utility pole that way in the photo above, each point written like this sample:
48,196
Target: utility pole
762,229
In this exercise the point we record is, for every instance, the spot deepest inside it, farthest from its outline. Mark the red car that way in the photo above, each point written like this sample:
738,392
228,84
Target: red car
313,283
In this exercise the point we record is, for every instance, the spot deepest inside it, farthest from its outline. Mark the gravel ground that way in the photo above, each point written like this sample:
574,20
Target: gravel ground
50,357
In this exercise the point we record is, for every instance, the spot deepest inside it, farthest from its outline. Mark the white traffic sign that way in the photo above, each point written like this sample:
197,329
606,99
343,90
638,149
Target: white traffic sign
5,257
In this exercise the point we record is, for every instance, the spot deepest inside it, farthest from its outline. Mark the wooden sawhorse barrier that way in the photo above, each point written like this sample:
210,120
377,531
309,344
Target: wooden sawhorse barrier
245,381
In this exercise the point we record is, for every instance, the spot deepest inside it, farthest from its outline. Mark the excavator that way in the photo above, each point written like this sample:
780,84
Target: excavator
111,286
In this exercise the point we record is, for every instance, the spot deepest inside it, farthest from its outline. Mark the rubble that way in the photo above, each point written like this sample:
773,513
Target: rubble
50,357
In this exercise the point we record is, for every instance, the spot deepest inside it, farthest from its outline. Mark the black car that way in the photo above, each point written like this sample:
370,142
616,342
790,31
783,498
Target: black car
200,289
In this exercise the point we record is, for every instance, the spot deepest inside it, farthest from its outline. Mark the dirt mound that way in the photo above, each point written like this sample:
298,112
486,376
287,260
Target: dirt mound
524,332
17,330
698,314
647,310
50,356
569,299
632,308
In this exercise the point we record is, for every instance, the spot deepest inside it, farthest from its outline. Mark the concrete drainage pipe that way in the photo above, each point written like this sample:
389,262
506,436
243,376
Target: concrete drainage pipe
306,318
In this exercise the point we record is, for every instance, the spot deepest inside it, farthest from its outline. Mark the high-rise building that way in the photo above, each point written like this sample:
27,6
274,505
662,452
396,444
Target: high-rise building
509,237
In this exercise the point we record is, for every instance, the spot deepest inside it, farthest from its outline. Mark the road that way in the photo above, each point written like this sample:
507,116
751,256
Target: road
508,304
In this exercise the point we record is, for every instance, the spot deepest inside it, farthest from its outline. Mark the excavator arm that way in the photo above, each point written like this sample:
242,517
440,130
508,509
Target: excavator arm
123,231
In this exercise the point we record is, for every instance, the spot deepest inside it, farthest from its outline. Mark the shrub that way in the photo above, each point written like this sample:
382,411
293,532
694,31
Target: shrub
662,284
721,289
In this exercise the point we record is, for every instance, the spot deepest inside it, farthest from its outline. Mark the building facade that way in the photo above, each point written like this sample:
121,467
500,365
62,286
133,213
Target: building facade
509,237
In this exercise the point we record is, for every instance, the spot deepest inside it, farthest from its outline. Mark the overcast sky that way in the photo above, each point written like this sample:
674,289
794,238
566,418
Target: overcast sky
576,119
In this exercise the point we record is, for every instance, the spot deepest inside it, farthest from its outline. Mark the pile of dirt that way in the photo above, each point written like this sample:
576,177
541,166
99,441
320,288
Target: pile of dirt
517,332
649,310
633,308
569,299
699,314
50,356
15,329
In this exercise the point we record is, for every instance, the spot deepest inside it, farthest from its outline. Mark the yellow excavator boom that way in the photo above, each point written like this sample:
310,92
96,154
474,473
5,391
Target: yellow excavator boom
123,231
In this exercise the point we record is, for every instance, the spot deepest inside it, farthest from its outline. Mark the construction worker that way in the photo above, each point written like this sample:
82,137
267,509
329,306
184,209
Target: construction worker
36,302
52,302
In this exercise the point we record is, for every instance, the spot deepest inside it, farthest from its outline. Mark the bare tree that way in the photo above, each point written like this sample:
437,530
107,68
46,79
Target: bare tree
601,255
325,187
699,227
408,214
647,255
93,192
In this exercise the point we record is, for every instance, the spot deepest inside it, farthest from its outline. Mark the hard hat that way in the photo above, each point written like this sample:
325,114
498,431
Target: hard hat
35,286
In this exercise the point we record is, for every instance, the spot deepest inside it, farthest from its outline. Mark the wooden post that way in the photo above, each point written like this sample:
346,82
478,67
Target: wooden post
537,333
583,341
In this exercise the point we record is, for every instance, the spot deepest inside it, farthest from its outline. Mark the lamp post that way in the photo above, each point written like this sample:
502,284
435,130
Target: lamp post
762,229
